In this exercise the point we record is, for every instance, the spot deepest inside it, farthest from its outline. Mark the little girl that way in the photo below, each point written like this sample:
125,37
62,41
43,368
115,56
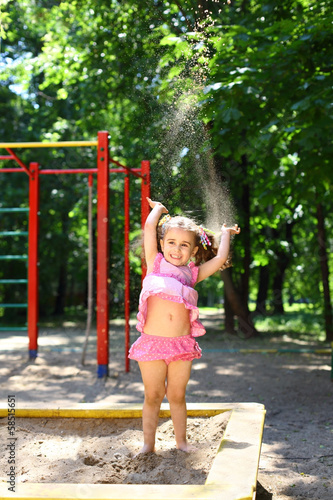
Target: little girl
168,313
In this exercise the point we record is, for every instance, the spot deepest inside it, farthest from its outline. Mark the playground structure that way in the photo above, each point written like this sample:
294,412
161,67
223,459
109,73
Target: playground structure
103,171
233,474
102,295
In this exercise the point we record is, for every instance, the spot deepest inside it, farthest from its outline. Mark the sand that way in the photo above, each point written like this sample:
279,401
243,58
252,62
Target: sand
104,451
296,389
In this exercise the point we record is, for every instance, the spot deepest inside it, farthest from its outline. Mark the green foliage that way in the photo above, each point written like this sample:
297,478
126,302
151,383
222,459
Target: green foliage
179,83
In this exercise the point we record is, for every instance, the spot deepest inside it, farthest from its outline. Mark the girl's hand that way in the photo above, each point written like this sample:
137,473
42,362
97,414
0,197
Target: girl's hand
231,230
154,204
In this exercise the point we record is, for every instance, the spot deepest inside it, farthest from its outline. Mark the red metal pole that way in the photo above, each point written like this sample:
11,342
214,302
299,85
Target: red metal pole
20,162
127,271
102,299
127,169
145,192
33,278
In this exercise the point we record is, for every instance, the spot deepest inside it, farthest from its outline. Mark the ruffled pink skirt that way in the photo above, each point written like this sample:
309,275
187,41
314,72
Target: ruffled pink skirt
168,349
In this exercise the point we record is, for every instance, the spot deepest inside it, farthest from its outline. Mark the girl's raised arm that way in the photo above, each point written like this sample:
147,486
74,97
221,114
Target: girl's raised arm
150,238
211,266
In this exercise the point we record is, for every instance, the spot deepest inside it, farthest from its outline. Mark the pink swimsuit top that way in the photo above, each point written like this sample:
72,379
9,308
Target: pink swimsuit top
171,283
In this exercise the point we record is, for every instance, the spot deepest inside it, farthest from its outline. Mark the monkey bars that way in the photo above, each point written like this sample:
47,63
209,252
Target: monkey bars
103,171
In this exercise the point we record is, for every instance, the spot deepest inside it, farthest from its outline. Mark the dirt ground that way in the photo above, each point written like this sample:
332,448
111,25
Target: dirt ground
296,389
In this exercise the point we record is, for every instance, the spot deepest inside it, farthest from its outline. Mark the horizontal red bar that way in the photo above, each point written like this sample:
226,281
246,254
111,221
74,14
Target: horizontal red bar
70,171
130,170
2,157
4,170
89,171
77,171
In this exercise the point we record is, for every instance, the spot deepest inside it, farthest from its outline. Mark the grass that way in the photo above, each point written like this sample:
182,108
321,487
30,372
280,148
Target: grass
299,322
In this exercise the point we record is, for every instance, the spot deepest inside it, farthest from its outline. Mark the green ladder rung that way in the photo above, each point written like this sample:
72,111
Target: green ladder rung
14,233
13,328
13,257
13,305
18,209
14,281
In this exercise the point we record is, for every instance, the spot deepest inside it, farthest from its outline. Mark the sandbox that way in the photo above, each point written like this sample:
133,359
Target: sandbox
232,475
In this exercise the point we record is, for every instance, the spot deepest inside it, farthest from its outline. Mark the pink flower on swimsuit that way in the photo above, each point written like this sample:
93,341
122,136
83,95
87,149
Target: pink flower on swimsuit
171,283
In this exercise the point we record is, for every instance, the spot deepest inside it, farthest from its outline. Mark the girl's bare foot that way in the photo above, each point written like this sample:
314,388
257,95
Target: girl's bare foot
145,449
188,448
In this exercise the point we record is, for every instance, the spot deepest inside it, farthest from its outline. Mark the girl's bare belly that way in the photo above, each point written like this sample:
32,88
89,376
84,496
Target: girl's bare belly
166,318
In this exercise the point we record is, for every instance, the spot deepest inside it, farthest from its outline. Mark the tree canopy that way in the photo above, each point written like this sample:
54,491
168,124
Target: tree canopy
232,103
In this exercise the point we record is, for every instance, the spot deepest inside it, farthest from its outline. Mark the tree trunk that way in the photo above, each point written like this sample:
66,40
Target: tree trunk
283,260
262,290
277,300
59,307
323,258
242,312
229,322
246,232
236,303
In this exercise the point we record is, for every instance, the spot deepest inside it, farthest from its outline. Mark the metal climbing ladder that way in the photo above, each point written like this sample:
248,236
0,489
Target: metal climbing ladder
9,281
32,258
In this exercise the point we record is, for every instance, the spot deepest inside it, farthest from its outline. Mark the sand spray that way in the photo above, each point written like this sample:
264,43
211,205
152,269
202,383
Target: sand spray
184,141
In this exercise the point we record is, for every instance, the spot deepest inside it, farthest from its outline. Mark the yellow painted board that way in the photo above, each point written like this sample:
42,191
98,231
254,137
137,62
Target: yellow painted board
61,144
232,477
64,491
248,428
95,410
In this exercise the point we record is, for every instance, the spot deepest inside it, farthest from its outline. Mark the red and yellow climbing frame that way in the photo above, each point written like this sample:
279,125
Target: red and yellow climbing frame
102,171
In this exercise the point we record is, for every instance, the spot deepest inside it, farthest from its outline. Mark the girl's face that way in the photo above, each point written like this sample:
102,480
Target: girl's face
178,246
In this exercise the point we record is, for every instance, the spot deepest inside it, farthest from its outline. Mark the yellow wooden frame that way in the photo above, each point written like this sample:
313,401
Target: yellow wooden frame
233,475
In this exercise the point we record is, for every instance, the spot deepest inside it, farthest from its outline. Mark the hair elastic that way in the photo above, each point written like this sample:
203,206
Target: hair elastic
204,238
164,220
208,230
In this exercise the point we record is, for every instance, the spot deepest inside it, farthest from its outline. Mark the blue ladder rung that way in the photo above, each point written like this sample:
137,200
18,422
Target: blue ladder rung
13,305
13,257
14,233
18,209
13,328
14,281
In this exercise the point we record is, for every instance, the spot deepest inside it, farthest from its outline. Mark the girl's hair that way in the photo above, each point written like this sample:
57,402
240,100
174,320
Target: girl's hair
205,251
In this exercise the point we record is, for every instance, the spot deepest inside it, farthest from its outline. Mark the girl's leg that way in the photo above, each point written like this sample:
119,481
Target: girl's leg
177,379
153,376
